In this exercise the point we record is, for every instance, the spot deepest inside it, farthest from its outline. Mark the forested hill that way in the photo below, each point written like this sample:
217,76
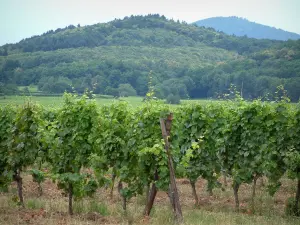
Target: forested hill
182,59
241,27
154,30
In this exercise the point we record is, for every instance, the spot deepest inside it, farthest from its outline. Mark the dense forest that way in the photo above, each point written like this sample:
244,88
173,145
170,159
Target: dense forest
121,57
240,27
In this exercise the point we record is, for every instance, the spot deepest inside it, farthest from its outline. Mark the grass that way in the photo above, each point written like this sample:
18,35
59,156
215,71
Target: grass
35,203
201,217
31,88
90,206
51,208
202,101
56,101
229,218
18,100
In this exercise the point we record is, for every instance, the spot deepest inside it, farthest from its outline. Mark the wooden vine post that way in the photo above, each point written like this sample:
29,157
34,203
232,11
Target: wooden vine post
165,125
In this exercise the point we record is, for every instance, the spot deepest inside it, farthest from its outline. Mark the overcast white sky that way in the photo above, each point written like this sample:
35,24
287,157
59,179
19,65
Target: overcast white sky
24,18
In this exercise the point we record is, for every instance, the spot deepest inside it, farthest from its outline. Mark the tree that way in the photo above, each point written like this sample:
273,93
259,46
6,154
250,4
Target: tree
8,89
112,91
173,99
55,85
4,51
126,90
10,64
26,91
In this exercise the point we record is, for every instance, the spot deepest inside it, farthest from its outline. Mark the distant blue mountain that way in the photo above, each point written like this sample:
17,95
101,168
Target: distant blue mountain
240,27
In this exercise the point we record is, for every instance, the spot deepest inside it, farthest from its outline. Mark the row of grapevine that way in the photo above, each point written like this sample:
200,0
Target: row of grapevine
81,145
242,140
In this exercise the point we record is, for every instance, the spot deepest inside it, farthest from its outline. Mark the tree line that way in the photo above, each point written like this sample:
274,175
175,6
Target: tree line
185,60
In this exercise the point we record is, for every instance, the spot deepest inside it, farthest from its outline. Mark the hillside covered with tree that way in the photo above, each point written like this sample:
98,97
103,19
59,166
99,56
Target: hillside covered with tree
181,59
242,27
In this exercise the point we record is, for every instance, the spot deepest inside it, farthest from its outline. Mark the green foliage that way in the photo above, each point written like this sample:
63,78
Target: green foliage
173,99
26,91
92,206
7,114
147,159
185,60
8,89
174,87
126,90
290,209
71,148
280,142
23,141
83,184
150,94
38,176
55,85
35,204
292,157
252,144
110,145
229,143
243,139
198,133
100,208
21,144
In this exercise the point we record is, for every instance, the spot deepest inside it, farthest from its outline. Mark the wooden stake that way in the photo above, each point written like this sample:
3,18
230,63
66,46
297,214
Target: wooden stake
166,130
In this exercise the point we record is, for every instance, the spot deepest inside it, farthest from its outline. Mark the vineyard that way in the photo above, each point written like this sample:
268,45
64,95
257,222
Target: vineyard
83,148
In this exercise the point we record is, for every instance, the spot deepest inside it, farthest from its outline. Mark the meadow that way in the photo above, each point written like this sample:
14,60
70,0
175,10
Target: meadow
56,101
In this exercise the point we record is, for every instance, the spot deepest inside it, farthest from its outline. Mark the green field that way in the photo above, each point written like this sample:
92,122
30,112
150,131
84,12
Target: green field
55,101
31,88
